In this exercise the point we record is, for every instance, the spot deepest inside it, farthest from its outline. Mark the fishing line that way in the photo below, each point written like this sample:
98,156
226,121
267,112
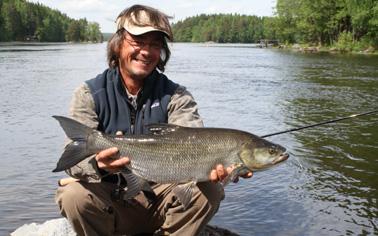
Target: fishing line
321,123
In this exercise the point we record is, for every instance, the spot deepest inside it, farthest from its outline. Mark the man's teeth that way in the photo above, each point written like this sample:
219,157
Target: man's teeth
143,61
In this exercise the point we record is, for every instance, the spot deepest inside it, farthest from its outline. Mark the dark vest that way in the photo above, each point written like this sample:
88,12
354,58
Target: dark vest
115,112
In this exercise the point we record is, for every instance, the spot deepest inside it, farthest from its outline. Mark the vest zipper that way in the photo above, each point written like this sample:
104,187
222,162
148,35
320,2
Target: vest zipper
132,119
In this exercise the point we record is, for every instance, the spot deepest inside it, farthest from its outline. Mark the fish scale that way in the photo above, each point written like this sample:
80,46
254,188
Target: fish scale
173,154
166,153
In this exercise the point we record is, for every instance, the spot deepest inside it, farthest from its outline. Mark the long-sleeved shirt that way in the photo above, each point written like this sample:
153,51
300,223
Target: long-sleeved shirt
182,110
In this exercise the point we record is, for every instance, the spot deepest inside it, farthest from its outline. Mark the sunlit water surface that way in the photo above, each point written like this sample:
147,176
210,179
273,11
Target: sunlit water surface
329,185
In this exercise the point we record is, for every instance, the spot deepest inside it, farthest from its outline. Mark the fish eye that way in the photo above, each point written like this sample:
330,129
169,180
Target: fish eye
272,150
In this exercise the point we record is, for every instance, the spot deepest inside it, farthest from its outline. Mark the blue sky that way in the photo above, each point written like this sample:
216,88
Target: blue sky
105,11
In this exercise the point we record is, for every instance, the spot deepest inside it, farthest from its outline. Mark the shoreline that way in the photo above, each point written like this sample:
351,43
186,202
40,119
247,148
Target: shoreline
303,48
325,49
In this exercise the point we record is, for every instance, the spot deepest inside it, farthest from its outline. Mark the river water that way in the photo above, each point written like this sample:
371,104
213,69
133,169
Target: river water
329,185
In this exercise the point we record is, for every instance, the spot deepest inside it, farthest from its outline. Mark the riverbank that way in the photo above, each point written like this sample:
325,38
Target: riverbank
319,49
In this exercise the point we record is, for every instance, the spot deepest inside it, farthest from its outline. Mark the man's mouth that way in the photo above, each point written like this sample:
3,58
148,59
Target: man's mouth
144,62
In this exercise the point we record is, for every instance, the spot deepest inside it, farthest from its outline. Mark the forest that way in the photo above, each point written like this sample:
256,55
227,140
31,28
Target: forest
347,25
24,21
344,24
223,28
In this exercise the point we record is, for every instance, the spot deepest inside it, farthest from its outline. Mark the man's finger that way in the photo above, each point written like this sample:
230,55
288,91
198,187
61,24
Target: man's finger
119,162
221,172
119,133
229,169
247,175
213,176
107,153
113,165
124,161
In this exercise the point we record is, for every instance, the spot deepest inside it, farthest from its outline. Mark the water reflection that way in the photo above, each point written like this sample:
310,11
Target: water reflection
341,158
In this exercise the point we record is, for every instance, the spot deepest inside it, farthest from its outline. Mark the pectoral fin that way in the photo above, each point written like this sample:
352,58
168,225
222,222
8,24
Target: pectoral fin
184,193
236,172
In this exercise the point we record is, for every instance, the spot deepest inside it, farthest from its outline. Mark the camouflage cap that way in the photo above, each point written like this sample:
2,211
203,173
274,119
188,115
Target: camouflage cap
141,19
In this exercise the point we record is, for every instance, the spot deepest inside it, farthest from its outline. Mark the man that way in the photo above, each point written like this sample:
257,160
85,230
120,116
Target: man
130,94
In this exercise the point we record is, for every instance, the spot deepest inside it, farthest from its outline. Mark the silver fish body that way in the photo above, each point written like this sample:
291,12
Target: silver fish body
174,154
179,155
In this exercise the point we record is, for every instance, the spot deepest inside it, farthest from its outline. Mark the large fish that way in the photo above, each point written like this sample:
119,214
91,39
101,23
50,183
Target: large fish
172,154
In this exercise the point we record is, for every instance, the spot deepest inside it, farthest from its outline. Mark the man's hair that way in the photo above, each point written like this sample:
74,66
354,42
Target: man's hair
156,17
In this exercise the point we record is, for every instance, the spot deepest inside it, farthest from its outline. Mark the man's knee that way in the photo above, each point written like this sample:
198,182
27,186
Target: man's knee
73,198
88,207
205,203
213,194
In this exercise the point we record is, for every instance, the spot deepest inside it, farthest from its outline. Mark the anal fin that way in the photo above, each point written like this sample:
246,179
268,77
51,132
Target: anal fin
135,184
184,193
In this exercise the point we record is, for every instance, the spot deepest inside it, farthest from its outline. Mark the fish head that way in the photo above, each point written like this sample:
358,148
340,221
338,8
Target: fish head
261,154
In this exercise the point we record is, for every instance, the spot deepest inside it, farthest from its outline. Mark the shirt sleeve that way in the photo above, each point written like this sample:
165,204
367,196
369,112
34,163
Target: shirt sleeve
183,109
82,109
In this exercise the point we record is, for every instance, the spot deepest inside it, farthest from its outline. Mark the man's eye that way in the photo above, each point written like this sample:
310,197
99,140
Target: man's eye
156,45
138,43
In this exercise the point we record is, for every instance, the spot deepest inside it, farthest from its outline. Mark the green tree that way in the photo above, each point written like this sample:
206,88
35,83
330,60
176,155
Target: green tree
51,29
325,22
21,20
11,20
222,28
93,32
73,32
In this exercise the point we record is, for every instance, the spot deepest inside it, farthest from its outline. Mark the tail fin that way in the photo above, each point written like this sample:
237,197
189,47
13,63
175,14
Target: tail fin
77,150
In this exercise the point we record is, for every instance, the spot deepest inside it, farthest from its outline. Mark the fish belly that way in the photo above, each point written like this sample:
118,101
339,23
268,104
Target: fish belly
164,163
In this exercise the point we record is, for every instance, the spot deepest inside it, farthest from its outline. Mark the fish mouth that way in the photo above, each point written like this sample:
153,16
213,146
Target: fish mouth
281,158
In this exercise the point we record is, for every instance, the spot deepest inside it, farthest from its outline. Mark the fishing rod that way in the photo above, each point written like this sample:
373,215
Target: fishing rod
321,123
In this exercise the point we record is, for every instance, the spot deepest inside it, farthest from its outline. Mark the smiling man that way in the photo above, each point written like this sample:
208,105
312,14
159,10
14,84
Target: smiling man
132,93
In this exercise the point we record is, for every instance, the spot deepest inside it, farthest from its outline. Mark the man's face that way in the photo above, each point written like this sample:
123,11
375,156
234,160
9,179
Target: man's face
139,55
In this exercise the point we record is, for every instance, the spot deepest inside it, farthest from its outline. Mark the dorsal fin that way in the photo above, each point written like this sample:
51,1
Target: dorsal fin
162,129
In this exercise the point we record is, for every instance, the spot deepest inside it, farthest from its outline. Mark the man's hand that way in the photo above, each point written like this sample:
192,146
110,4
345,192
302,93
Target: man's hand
110,160
219,174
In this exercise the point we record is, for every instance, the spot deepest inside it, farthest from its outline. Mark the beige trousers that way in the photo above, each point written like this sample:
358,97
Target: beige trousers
91,210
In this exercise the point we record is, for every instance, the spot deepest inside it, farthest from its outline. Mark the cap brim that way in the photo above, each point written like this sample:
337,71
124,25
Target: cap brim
138,30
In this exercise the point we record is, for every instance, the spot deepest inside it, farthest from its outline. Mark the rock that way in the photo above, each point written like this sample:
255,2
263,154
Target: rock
55,227
216,231
296,46
369,50
309,49
61,227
